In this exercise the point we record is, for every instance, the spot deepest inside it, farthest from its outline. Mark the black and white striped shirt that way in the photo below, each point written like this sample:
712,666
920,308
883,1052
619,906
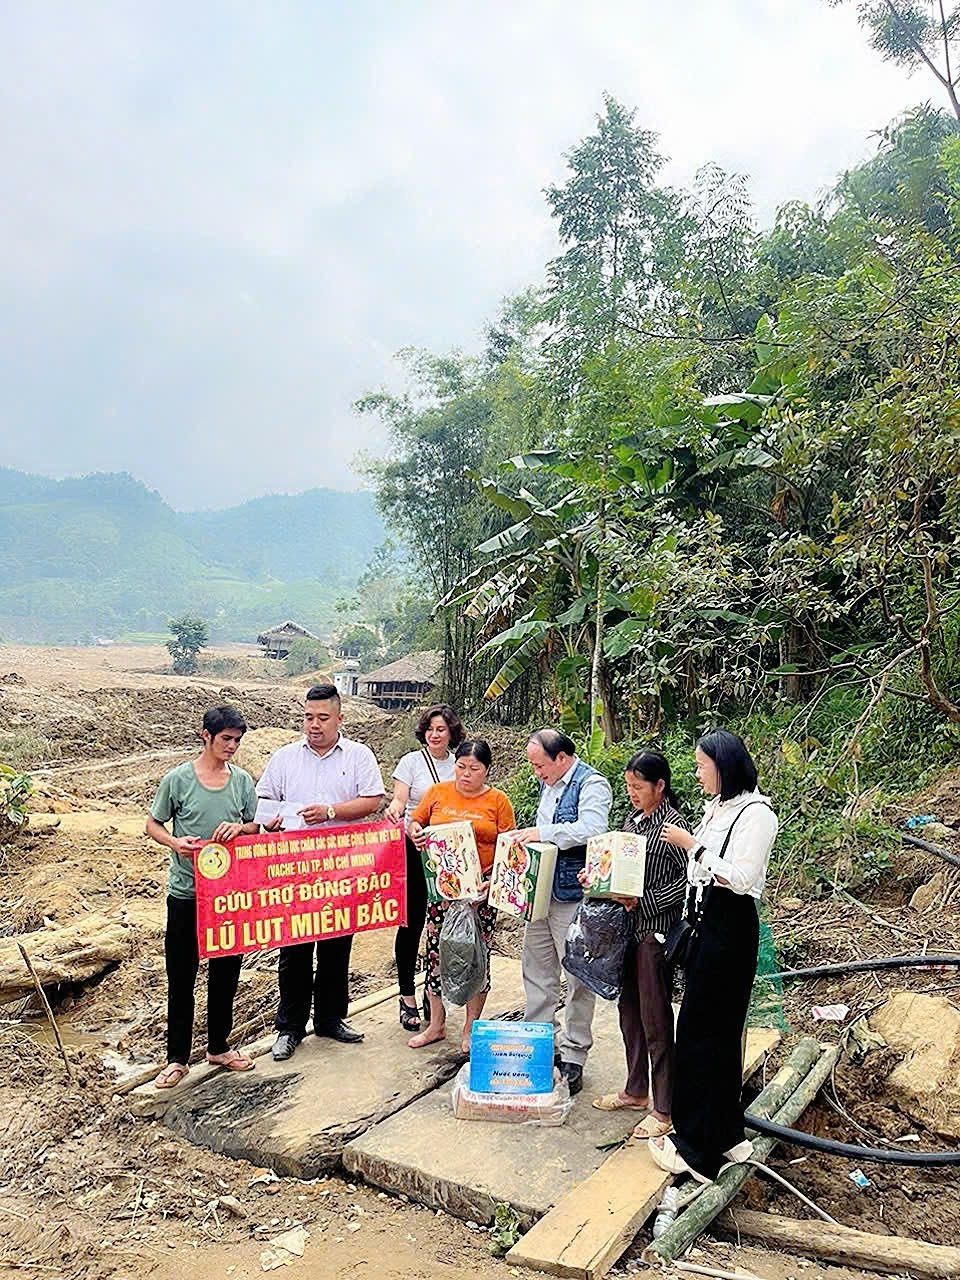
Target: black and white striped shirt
665,877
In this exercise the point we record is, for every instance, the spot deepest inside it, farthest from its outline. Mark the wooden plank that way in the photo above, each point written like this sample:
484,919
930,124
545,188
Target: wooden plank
834,1243
585,1233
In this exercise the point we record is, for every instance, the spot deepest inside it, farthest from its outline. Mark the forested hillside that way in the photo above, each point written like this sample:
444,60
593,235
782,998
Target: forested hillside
104,555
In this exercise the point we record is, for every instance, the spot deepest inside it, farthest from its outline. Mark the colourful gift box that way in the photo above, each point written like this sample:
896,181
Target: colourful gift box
615,865
511,1057
522,877
451,864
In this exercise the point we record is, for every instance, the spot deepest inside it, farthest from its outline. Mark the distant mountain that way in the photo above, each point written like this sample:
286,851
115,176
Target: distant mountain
104,555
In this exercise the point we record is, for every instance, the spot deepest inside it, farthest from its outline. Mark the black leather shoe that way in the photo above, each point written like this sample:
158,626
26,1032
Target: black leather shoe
339,1031
284,1047
572,1072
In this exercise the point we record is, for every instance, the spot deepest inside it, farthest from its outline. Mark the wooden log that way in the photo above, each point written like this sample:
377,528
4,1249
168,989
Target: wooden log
586,1231
715,1197
844,1245
74,953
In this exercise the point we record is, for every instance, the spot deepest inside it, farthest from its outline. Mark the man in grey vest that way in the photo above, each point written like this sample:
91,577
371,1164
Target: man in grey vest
574,804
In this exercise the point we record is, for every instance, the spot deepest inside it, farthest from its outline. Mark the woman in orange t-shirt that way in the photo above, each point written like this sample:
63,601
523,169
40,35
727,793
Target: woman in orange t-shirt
466,799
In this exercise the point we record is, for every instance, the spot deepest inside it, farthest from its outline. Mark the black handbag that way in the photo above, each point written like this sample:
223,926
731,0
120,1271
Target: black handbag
683,934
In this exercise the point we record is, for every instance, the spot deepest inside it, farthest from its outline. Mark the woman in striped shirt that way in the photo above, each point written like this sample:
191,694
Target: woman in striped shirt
646,1012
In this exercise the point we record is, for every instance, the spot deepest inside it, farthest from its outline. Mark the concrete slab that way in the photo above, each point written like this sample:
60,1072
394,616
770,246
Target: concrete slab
296,1116
467,1167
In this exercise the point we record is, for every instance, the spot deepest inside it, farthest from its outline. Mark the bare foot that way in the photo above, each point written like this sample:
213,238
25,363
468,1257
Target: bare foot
430,1035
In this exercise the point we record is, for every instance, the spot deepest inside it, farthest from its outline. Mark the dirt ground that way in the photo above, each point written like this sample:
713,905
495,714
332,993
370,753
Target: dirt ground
88,1190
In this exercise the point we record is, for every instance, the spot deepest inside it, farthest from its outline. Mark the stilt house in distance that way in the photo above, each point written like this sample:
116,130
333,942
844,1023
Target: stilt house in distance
276,640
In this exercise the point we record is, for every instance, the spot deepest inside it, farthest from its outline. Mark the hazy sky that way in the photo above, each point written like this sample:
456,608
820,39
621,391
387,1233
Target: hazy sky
218,221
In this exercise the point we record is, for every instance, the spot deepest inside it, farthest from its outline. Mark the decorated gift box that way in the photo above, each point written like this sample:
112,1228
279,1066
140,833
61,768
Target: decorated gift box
615,865
511,1057
451,864
522,877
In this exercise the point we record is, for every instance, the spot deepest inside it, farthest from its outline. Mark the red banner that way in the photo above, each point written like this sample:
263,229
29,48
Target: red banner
282,887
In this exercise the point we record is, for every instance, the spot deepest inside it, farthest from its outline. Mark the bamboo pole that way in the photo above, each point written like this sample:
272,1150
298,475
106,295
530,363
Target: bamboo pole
49,1012
844,1245
715,1197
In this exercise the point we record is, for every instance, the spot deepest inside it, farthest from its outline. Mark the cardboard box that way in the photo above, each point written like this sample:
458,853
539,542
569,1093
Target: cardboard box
615,865
516,1108
522,877
511,1057
451,864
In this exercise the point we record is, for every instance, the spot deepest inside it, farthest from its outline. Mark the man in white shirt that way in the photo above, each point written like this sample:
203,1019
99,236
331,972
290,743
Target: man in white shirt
574,804
322,779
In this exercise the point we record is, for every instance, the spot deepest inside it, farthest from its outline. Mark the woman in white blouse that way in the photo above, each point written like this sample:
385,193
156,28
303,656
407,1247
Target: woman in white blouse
440,732
726,869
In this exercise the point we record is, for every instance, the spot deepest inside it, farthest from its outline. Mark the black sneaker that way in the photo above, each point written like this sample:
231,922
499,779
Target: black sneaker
284,1047
572,1072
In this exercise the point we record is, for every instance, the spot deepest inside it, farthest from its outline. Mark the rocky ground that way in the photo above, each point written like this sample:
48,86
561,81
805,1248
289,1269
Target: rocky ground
88,1190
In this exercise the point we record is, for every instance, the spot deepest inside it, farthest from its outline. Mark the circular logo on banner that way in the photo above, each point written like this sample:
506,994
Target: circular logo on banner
213,861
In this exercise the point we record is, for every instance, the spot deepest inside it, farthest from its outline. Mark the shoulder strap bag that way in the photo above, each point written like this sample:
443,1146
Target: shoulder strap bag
683,933
428,760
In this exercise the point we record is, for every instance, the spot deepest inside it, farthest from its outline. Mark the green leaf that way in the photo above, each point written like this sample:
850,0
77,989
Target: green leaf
519,631
514,667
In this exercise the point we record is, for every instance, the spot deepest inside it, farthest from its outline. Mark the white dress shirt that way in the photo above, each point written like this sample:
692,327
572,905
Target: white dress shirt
593,812
744,865
296,776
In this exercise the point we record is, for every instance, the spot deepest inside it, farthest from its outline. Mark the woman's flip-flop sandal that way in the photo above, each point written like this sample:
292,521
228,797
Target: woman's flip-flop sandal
171,1075
232,1060
651,1127
409,1016
614,1102
666,1156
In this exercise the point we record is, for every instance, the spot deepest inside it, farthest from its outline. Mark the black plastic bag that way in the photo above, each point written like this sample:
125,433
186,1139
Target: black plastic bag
596,945
463,954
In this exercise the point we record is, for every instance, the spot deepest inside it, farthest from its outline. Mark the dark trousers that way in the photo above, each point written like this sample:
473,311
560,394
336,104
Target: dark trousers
646,1023
707,1114
182,962
327,987
408,936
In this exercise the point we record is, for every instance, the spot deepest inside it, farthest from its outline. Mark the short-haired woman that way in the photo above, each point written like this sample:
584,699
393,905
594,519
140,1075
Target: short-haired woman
467,798
726,870
439,732
646,1011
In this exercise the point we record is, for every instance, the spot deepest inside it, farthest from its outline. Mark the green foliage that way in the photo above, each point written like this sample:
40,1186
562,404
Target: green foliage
305,654
505,1229
738,497
21,747
15,790
359,641
915,35
188,637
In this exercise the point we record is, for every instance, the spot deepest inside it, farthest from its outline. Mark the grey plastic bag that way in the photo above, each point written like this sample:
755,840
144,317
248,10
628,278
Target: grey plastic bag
463,954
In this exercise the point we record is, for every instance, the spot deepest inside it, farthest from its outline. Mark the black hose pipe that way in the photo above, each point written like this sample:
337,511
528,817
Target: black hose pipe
883,1155
864,966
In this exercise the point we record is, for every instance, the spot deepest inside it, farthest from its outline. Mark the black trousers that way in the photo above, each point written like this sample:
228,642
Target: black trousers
408,936
707,1114
182,962
326,988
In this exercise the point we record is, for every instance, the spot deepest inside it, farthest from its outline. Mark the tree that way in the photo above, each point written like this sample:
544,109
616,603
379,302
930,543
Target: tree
915,34
189,636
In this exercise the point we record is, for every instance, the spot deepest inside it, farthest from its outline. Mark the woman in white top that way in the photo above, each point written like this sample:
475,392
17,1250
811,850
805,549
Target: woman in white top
440,732
726,869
